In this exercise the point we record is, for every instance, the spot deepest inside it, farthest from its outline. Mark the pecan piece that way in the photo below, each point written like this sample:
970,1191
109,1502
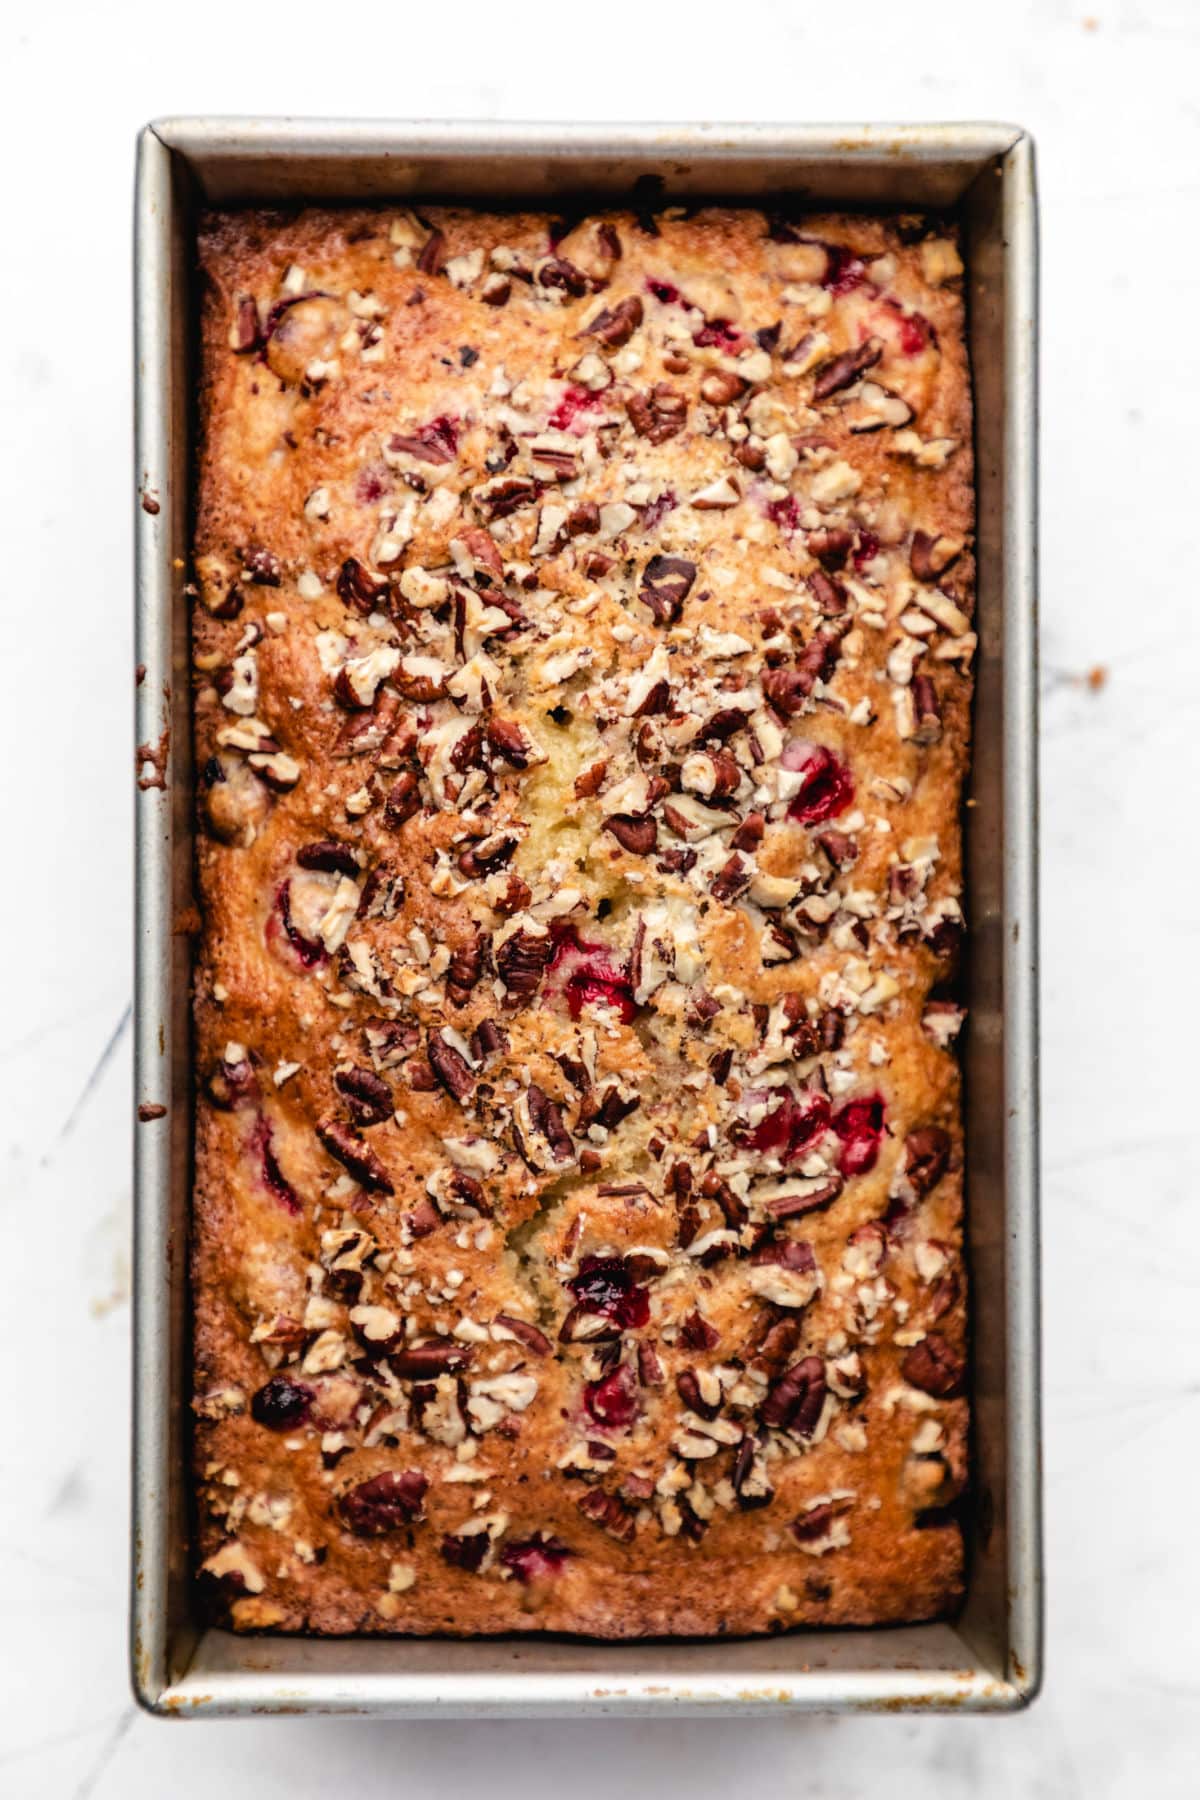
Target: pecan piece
927,711
346,1146
329,857
731,879
926,1155
796,1400
521,962
466,966
786,690
845,369
365,732
433,253
610,1513
424,1362
466,1550
934,1367
929,556
638,836
509,740
591,781
525,1333
358,587
368,1097
558,272
403,801
666,584
658,414
722,387
615,325
385,1503
450,1066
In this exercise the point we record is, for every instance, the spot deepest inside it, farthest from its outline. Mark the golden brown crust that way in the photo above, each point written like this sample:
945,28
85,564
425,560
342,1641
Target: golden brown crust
583,685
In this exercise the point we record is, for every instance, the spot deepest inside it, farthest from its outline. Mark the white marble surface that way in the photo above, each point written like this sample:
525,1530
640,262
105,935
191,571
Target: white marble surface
1113,102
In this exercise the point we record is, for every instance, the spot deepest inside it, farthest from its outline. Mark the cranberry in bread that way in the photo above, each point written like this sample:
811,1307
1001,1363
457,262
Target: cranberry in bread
582,643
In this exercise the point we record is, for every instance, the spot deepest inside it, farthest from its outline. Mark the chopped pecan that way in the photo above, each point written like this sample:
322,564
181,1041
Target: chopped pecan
329,857
658,414
721,387
389,1041
591,781
831,545
358,587
558,272
403,800
731,879
650,1369
466,966
615,325
926,1156
749,834
509,740
346,1146
610,1512
450,1066
368,1097
424,1362
795,1402
432,254
845,369
521,961
385,1503
542,1139
665,585
927,711
697,1333
365,732
774,1341
935,1367
525,1333
639,836
928,556
504,495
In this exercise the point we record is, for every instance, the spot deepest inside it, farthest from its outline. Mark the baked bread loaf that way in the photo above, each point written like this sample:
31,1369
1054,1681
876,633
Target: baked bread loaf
582,634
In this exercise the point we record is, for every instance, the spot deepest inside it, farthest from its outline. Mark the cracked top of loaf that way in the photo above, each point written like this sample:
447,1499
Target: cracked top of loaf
582,639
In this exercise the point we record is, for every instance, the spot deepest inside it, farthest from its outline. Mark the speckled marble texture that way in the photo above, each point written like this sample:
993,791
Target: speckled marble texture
1111,98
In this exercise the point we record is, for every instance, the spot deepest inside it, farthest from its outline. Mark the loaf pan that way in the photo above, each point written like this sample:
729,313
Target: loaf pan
989,1657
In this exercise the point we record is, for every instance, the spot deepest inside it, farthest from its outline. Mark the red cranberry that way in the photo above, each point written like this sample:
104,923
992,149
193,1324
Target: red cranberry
436,442
284,938
589,975
913,331
859,1125
866,549
789,1128
282,1404
613,1400
576,400
844,271
535,1558
828,784
372,484
662,290
719,334
785,513
658,509
273,1177
605,1285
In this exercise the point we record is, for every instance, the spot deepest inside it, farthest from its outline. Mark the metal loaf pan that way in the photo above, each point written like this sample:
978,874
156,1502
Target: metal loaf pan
988,1659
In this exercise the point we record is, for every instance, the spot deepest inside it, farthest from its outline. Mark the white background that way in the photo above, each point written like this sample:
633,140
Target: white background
1114,102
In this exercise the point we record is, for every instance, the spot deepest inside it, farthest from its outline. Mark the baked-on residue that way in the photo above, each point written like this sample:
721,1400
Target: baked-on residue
582,638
